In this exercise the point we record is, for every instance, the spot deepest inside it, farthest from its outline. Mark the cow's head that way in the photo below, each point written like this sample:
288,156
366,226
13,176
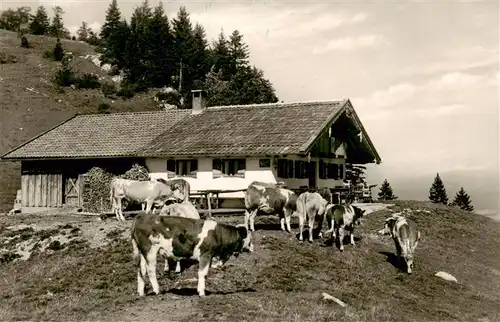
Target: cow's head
358,214
247,246
388,226
177,192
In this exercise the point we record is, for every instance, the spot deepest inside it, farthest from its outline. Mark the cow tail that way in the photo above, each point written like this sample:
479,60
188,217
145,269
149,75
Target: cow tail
111,199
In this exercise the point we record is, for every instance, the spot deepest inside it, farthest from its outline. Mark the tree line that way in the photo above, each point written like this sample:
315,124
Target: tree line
155,51
437,194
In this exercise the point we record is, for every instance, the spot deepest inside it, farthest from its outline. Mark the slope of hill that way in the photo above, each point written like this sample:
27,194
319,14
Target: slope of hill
31,104
281,280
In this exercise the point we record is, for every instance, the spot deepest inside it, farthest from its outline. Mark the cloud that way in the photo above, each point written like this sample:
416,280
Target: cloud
351,43
459,59
391,96
440,110
95,26
279,25
456,80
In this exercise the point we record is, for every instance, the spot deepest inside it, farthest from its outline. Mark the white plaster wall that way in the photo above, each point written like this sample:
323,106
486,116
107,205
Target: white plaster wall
204,178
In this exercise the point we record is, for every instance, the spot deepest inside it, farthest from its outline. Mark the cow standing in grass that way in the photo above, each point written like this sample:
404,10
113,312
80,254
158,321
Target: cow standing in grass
311,206
270,199
149,192
184,209
405,236
341,219
183,238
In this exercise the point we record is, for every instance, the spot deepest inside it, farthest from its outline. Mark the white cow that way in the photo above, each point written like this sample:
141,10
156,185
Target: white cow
149,192
405,236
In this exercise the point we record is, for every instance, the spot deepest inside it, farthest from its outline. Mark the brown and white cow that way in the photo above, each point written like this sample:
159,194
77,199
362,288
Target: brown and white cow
341,219
405,236
311,206
270,199
149,192
183,238
183,209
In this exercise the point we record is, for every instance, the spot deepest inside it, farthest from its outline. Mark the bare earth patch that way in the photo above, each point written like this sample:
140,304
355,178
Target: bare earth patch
282,280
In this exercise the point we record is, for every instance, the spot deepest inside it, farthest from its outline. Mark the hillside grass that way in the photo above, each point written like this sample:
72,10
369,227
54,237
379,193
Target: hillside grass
282,280
31,103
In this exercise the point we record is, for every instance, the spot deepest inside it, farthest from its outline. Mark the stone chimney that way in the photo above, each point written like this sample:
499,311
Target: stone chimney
198,102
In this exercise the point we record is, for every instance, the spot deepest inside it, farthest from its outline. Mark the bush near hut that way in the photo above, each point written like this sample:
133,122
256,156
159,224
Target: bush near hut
96,194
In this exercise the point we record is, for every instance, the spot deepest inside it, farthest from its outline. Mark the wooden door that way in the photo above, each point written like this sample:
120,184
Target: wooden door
73,189
41,190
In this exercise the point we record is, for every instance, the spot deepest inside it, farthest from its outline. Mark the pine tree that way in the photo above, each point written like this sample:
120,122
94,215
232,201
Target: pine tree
238,51
386,192
199,62
112,20
221,57
58,51
83,32
93,39
139,57
114,35
160,35
182,33
462,200
437,192
40,25
57,27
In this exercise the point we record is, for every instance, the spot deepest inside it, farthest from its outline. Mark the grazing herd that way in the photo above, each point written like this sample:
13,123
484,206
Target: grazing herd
178,233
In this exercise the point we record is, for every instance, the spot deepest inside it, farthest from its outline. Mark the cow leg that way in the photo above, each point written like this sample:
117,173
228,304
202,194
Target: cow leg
252,219
341,237
119,212
301,225
351,234
149,205
166,268
140,262
288,215
143,206
151,267
178,266
247,219
141,276
311,224
204,265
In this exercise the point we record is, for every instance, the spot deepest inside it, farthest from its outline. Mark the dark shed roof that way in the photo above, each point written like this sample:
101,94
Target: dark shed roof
98,135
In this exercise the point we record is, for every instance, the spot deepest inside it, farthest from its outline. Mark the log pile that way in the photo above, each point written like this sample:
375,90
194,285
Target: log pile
96,192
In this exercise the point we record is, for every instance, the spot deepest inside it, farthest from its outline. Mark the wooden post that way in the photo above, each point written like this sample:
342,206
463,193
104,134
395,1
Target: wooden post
209,204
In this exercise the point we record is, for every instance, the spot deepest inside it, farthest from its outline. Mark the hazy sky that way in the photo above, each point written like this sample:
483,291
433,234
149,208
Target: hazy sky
423,76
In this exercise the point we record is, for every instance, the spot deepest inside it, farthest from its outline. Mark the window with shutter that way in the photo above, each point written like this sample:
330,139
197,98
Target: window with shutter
290,168
335,171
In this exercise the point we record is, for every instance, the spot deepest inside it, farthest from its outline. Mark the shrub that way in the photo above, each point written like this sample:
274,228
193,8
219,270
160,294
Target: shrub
103,108
108,88
114,71
87,80
49,54
58,52
24,42
64,77
126,91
